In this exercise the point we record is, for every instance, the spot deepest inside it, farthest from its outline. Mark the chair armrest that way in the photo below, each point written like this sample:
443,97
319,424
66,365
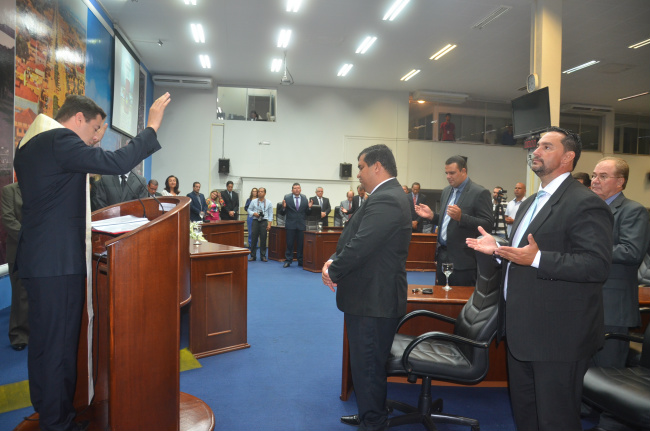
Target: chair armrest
625,337
644,310
425,313
440,336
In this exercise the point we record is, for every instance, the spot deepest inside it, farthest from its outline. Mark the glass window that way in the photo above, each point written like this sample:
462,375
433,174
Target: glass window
631,134
246,104
587,126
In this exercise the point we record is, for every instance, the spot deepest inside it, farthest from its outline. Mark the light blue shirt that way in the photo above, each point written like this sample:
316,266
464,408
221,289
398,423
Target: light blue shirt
265,207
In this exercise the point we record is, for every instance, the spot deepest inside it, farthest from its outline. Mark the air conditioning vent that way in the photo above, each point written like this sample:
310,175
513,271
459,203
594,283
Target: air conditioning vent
579,108
439,96
182,81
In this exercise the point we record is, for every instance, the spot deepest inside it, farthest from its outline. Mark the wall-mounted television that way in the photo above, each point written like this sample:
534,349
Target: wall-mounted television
126,89
531,113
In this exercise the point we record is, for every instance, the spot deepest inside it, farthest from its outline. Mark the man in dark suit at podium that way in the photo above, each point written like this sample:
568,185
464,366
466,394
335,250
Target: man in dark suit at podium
324,204
369,269
52,160
296,207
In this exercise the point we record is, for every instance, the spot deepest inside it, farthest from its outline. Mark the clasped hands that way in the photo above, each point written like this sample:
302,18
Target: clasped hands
521,256
327,281
424,211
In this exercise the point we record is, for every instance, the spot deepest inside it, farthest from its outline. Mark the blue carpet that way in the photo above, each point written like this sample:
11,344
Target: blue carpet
290,378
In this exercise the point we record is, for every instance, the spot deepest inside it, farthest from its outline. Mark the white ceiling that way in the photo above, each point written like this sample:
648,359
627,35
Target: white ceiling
488,64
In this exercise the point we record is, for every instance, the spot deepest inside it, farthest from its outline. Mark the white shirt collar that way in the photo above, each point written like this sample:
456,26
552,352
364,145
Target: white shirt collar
373,190
555,184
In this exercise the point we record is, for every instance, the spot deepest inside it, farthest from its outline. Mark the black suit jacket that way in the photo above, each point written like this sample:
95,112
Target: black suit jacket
475,203
51,170
230,205
420,199
326,208
295,217
197,205
12,204
630,236
356,205
108,190
555,312
369,265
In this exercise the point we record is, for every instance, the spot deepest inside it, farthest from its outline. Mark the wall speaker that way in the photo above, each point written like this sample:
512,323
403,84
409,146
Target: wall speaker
345,170
224,166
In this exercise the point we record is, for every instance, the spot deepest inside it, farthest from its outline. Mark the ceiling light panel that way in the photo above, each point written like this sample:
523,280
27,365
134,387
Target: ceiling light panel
442,52
344,70
205,61
409,75
276,65
293,5
395,9
496,13
197,33
582,66
632,97
284,38
367,43
192,2
640,44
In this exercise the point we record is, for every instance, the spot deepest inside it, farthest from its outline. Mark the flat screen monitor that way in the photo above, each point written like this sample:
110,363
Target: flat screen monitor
531,113
126,91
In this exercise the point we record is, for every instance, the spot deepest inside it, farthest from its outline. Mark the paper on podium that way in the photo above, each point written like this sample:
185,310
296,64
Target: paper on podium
120,224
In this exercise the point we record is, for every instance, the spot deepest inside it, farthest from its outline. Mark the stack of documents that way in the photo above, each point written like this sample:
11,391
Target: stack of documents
117,225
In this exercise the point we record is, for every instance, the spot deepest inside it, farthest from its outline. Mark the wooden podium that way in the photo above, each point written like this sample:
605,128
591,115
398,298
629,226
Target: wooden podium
140,278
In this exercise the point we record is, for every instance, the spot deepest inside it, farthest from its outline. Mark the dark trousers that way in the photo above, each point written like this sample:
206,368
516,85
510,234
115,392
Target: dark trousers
55,309
545,396
293,235
324,221
259,231
370,340
18,318
466,277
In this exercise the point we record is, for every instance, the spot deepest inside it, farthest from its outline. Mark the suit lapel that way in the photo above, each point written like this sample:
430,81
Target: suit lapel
616,203
461,198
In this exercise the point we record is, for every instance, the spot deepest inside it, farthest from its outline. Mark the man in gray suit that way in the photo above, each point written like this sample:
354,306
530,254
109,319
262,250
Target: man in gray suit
12,205
113,189
467,206
369,269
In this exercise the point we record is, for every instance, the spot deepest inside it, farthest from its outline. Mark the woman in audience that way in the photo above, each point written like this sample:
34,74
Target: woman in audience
171,187
214,204
249,219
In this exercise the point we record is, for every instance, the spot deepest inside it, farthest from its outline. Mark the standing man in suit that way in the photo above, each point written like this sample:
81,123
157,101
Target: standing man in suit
346,206
231,200
152,188
324,204
296,207
51,253
113,189
369,269
12,205
467,206
198,206
417,198
551,310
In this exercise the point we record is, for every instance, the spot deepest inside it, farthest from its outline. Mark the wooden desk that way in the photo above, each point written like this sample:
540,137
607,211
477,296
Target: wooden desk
447,303
219,277
226,232
422,252
277,244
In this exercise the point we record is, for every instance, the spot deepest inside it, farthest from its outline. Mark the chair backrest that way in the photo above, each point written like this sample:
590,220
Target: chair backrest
478,318
645,353
338,221
279,218
644,270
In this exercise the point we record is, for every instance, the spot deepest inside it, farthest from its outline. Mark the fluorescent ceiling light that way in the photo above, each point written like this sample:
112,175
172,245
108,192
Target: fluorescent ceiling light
422,101
409,75
582,66
496,13
283,39
293,5
442,52
197,33
640,44
632,97
344,70
192,2
205,61
276,65
367,43
395,9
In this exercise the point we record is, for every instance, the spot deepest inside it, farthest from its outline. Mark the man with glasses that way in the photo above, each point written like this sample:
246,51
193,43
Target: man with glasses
621,291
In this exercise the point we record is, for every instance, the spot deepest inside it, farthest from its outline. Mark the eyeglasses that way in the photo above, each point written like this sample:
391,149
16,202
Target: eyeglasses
603,177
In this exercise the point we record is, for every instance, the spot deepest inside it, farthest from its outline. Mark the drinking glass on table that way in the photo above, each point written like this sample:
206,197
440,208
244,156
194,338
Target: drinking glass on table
447,269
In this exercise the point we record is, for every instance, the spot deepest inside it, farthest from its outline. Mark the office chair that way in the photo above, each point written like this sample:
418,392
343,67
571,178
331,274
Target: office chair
461,357
623,393
644,271
338,221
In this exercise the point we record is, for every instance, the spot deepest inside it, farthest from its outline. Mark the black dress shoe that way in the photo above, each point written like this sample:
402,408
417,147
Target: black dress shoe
251,259
18,347
351,420
263,259
286,264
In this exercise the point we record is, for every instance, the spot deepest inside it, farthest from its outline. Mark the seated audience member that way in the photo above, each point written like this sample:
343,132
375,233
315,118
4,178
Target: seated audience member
214,203
171,186
249,219
583,177
230,208
198,206
152,188
346,206
261,212
113,189
324,205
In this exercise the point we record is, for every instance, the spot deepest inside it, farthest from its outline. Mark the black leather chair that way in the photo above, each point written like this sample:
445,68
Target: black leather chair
338,220
623,393
461,357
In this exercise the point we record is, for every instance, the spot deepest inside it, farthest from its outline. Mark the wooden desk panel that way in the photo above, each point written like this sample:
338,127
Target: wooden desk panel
218,311
447,303
319,246
277,244
422,252
226,232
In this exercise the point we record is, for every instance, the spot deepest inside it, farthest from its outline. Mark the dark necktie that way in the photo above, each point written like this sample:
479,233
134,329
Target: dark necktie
123,177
